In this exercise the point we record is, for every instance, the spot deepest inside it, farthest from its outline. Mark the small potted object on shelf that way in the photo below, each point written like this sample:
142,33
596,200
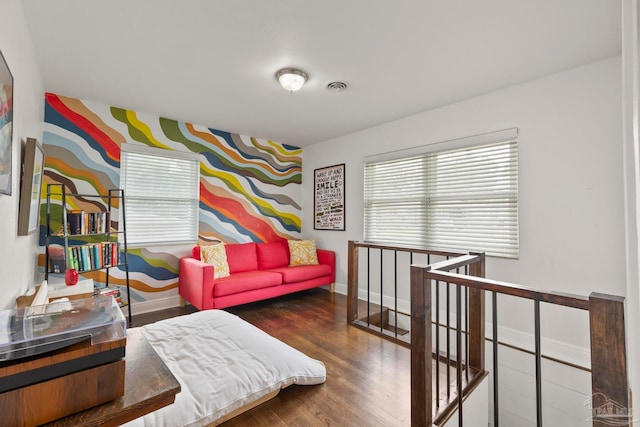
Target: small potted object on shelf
71,277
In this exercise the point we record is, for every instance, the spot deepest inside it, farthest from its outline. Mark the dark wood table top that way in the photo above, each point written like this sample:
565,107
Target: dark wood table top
149,385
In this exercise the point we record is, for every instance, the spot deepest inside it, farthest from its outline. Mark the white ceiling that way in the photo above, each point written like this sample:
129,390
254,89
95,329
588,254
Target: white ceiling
212,62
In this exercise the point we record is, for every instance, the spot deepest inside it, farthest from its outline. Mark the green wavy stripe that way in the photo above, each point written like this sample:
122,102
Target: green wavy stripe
120,114
155,259
171,129
261,204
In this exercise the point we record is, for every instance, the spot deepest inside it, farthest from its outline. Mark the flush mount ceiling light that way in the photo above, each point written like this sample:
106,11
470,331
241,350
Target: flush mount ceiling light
291,79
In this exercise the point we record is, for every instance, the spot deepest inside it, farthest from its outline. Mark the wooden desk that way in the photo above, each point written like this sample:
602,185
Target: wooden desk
149,385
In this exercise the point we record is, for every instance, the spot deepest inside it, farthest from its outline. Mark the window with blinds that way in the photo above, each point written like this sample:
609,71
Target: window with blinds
463,199
162,192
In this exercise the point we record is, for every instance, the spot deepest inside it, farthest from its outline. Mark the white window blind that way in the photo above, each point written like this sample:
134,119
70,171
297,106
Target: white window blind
162,192
463,199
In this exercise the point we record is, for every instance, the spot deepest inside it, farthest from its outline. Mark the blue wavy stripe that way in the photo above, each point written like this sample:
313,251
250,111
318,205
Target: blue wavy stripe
80,153
242,231
229,140
138,263
51,115
264,165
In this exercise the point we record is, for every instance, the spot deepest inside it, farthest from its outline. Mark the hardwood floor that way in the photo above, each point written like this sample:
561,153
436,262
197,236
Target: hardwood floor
368,378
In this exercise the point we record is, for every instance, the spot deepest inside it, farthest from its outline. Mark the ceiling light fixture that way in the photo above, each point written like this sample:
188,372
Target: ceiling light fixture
291,79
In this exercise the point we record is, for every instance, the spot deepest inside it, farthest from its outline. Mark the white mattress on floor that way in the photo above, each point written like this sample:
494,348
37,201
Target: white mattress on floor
223,364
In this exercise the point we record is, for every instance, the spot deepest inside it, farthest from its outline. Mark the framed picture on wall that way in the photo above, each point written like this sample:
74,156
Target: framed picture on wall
328,200
32,171
6,126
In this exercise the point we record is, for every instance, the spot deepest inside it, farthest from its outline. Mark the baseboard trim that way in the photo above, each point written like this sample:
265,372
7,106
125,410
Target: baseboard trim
155,305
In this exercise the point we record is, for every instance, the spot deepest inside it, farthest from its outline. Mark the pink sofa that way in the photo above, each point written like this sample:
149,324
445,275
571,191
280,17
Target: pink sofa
257,271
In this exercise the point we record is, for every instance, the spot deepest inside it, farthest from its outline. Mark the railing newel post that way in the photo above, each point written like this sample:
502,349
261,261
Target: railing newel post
477,317
421,349
609,380
352,283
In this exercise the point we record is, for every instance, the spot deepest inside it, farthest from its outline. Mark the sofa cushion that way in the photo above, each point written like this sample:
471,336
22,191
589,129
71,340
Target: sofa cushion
302,272
216,256
241,257
273,255
303,252
195,253
246,281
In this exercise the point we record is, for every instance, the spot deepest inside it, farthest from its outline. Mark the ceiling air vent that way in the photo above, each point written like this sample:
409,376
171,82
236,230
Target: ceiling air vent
336,86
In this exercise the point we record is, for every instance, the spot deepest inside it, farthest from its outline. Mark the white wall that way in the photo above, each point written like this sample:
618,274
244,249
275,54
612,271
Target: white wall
473,408
18,255
572,236
570,185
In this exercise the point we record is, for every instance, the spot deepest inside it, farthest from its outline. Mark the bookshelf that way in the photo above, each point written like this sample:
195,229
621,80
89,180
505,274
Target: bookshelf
84,238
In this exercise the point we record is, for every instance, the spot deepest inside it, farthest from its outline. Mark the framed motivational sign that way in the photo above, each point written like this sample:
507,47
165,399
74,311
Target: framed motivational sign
328,201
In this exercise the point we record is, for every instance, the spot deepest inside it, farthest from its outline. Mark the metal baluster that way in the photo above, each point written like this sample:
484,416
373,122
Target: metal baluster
458,346
380,309
536,305
395,290
494,298
466,326
437,343
448,342
368,286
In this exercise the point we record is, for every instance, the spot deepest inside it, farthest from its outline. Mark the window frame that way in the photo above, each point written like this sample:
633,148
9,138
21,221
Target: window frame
489,213
183,202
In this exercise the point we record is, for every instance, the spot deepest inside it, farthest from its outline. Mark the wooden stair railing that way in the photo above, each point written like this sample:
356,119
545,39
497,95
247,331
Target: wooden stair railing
360,312
422,411
610,392
375,318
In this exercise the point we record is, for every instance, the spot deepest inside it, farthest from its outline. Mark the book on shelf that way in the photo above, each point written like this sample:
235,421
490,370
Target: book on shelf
74,221
81,222
56,259
93,256
113,291
98,222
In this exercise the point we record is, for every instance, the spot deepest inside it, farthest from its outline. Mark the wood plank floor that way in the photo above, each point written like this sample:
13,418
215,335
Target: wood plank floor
368,378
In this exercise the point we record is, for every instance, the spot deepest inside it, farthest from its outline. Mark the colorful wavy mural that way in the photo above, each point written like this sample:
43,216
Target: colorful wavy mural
249,188
6,132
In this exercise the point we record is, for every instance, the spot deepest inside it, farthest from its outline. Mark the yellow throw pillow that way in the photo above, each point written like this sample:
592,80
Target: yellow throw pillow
302,252
216,256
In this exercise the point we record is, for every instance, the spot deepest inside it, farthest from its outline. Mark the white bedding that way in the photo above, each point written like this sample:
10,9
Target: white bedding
222,363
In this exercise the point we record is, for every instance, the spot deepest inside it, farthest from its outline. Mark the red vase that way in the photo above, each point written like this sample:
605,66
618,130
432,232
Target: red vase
71,276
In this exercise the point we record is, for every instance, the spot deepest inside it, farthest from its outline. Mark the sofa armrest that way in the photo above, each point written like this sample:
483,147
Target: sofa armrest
195,282
329,258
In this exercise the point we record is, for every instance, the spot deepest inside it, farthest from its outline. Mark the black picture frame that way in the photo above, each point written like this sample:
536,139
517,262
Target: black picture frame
31,187
329,198
6,126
